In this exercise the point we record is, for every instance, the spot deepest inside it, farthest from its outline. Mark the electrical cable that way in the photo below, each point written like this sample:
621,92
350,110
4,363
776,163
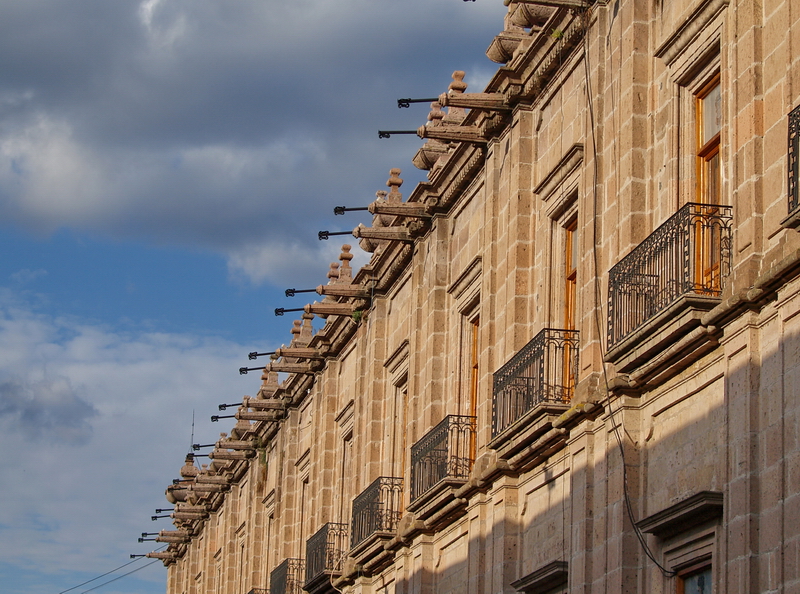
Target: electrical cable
119,577
102,575
598,310
98,577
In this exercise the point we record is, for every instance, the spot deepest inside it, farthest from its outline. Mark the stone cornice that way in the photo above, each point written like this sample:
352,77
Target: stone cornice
694,25
697,509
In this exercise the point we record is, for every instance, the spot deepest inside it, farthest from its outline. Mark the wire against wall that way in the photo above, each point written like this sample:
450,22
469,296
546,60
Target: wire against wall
598,309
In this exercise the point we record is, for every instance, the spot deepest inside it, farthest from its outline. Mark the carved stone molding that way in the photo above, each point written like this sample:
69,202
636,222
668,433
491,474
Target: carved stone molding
692,511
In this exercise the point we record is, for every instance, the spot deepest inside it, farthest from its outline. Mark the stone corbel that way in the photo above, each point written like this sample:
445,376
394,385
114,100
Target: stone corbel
204,488
186,533
357,291
263,403
481,101
331,309
505,44
384,233
185,515
415,210
573,4
213,479
260,415
235,444
530,16
308,368
470,134
192,508
163,555
173,539
231,455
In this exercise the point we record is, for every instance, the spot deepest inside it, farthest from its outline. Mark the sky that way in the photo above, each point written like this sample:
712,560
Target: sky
165,166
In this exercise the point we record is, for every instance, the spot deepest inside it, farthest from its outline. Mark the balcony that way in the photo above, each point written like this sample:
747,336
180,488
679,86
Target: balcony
793,220
377,510
325,552
444,454
287,578
258,591
658,293
541,376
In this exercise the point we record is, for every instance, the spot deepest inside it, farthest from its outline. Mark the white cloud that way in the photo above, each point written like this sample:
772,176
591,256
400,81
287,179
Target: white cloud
25,276
292,263
163,32
98,422
56,178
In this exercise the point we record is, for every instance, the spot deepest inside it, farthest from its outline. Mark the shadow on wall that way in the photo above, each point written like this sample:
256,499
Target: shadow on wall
715,430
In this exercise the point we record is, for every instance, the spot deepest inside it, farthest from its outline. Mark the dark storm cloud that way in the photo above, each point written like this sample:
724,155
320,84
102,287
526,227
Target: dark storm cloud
225,125
48,410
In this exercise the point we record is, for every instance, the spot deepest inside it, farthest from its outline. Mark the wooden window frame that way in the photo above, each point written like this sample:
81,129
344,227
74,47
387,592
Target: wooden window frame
707,240
570,272
706,151
697,566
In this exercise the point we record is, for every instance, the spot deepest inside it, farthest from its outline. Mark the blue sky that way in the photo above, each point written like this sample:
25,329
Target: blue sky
165,166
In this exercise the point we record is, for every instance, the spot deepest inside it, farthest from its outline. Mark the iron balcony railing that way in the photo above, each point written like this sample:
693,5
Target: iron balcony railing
689,254
446,451
258,591
325,550
376,509
287,578
544,370
794,159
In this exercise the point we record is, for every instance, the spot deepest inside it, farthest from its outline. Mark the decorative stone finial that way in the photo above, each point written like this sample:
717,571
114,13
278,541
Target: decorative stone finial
296,328
189,470
458,85
456,115
333,273
436,114
308,330
394,182
345,271
269,383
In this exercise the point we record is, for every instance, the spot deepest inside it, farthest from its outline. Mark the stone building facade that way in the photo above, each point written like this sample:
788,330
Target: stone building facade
572,361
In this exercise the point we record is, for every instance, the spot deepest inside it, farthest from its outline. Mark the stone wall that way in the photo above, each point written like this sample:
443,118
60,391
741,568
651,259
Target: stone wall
679,441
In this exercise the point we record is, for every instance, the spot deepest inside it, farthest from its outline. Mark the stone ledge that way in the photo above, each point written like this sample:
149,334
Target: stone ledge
660,332
697,509
792,221
368,557
432,502
527,429
546,578
322,583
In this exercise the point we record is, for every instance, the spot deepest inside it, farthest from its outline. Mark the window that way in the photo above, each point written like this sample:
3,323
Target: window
570,273
695,580
570,294
687,531
474,327
395,442
398,428
303,512
346,474
709,125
